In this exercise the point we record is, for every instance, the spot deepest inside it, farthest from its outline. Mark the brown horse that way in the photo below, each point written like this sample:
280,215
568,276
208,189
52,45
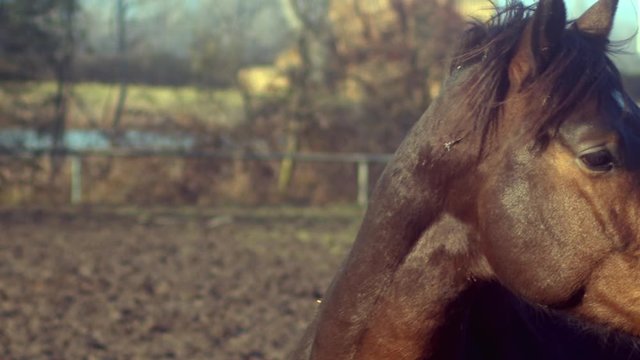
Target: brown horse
508,223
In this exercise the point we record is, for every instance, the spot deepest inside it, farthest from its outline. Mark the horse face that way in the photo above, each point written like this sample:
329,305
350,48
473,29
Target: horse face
561,226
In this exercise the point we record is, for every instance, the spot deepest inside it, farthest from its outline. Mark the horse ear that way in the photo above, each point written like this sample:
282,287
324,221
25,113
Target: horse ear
539,42
598,20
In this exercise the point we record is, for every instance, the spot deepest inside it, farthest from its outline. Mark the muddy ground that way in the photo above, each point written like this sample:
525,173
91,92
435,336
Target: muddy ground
237,284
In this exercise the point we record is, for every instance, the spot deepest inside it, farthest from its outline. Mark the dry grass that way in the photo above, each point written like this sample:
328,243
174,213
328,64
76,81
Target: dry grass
92,105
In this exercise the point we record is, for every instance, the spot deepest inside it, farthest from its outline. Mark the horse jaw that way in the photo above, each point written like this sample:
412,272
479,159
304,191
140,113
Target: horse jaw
612,295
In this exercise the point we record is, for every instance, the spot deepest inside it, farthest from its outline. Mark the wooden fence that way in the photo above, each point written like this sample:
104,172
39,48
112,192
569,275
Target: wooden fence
362,162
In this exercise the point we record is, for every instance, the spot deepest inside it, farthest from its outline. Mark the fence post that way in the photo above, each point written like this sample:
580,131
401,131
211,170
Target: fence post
363,182
76,179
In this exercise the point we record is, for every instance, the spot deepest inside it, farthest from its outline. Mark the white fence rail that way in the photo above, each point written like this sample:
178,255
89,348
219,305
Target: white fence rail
362,161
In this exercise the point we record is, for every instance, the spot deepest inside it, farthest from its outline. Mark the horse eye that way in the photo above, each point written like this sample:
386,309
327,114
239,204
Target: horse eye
601,160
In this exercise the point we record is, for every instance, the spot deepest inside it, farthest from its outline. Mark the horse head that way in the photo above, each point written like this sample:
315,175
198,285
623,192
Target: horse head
524,172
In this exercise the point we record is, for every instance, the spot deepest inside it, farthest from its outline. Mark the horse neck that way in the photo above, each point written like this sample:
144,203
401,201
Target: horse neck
413,307
437,163
411,258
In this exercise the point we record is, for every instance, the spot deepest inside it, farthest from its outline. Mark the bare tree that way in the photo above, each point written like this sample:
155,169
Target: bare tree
316,49
61,61
121,29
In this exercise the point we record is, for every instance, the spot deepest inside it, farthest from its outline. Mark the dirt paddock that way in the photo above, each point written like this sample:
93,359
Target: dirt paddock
217,284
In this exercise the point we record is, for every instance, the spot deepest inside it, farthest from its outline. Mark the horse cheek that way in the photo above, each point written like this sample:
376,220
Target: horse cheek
505,234
532,248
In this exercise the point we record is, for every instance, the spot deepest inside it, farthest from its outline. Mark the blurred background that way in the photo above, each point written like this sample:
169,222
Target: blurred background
200,102
180,178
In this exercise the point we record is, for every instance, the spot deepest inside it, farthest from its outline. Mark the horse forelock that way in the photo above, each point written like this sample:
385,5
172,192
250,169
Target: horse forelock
580,69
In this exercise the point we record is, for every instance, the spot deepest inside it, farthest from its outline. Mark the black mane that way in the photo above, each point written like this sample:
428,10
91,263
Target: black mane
580,68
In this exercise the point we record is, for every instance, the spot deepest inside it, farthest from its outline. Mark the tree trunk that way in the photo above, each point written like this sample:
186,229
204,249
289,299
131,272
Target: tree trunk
316,51
121,14
62,69
288,163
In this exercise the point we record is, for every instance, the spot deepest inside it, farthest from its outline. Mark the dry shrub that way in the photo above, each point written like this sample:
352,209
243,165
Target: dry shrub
179,181
176,181
140,181
230,181
323,183
26,179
